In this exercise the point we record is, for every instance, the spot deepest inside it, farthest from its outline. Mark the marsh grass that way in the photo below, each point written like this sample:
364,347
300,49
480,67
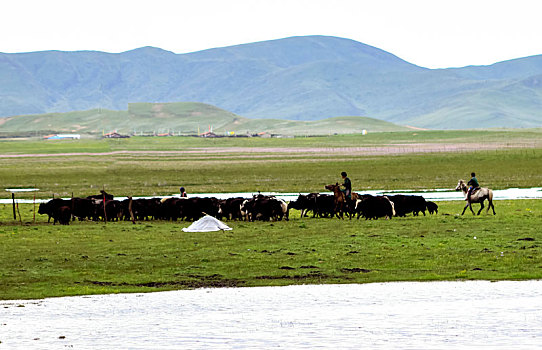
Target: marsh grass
41,260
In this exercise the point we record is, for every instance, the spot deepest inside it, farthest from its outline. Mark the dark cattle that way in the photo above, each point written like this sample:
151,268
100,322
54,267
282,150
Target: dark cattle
142,209
101,196
154,206
305,203
49,208
82,208
169,209
62,214
408,204
431,207
231,208
194,208
113,210
265,208
325,206
374,207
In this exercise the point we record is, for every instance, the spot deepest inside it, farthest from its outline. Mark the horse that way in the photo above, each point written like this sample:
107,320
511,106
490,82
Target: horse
479,196
340,199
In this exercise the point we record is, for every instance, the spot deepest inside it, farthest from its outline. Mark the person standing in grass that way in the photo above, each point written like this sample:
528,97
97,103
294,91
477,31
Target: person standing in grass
347,185
474,185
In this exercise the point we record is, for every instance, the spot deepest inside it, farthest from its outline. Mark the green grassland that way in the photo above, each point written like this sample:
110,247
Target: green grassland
41,260
255,164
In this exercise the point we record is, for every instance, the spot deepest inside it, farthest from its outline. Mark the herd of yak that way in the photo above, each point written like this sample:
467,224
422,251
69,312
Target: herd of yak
104,207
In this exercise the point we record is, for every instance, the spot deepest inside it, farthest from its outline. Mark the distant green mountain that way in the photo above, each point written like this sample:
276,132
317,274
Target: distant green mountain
183,118
298,78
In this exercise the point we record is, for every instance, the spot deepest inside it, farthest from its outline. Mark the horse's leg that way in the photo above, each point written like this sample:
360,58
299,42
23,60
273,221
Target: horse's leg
492,207
466,206
481,207
350,210
336,209
470,206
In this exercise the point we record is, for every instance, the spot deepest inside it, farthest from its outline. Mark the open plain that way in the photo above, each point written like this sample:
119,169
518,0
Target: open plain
42,260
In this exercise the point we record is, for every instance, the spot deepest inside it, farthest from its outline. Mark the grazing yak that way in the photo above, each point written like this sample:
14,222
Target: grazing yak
305,203
265,208
58,209
190,209
432,207
142,209
374,207
321,205
231,208
404,204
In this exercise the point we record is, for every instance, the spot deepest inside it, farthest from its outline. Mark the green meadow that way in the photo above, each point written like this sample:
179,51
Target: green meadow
144,166
44,260
41,260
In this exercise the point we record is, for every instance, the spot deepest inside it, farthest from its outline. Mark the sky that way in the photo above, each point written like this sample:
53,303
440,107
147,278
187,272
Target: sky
428,33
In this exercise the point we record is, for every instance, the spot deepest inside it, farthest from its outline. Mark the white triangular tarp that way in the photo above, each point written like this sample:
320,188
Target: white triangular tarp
207,224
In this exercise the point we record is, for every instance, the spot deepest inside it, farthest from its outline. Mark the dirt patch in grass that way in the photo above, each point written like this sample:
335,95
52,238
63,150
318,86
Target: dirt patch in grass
355,270
310,275
194,281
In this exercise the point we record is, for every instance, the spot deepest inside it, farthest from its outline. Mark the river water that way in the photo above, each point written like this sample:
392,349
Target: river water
430,195
405,315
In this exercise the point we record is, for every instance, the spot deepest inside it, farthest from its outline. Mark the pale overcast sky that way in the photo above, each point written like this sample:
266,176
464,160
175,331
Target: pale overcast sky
429,33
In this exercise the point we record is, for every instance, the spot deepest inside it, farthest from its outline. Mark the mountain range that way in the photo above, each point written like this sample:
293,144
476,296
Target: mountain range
297,78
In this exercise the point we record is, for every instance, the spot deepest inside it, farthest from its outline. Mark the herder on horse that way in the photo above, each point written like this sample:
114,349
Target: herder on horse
344,199
474,194
474,186
347,186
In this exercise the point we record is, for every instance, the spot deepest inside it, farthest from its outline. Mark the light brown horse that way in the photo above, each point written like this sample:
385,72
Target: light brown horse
479,196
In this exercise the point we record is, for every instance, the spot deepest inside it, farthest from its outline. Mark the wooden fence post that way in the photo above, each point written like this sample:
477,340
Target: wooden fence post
130,210
105,213
13,200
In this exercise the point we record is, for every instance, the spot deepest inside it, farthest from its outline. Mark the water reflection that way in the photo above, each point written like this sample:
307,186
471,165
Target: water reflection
444,315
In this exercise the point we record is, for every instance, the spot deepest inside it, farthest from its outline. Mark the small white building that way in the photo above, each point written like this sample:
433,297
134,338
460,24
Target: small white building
63,137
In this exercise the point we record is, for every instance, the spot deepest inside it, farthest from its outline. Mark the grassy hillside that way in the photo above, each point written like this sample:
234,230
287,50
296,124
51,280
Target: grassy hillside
180,118
297,78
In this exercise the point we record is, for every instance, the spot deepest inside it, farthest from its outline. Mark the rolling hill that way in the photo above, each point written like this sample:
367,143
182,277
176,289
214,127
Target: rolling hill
298,78
185,118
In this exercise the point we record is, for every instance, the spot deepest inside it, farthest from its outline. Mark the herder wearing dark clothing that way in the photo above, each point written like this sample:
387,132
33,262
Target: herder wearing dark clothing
347,186
474,185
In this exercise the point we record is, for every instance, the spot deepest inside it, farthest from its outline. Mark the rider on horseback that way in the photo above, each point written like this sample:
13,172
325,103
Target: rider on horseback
347,185
474,185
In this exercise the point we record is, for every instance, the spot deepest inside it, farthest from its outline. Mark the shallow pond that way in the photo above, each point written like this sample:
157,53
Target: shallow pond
406,315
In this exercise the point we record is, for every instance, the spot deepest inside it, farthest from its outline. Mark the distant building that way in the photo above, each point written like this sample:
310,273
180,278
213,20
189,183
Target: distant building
208,134
62,137
115,135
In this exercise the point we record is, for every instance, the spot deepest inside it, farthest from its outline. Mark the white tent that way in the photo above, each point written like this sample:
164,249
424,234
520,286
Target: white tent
207,224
